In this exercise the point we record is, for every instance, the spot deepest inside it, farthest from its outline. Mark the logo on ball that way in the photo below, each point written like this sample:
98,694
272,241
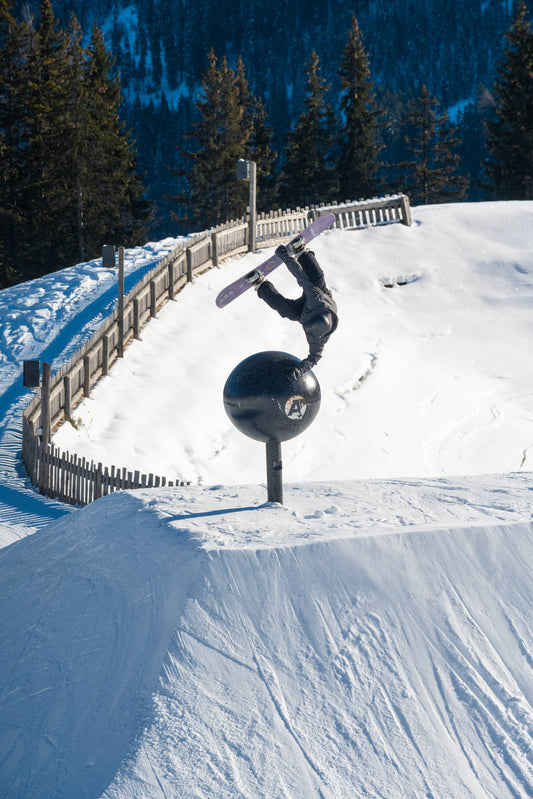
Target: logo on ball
295,407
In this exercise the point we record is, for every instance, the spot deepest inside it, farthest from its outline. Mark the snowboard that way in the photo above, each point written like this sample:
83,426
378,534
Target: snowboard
241,285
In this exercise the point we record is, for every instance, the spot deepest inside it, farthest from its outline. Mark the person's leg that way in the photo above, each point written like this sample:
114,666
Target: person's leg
304,267
312,269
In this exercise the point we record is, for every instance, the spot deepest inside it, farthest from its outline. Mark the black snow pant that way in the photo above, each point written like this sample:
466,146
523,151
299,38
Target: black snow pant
311,273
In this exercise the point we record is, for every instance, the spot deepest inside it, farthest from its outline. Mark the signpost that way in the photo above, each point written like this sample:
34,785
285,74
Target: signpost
247,170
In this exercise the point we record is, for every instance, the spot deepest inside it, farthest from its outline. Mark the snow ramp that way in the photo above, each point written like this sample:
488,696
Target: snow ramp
363,640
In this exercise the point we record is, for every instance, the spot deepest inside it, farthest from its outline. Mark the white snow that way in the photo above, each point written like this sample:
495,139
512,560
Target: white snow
48,319
442,360
371,637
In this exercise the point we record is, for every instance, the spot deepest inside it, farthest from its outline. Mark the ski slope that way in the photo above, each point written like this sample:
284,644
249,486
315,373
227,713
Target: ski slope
371,637
48,320
424,378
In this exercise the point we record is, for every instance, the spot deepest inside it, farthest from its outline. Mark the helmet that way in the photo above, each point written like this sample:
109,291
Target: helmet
319,325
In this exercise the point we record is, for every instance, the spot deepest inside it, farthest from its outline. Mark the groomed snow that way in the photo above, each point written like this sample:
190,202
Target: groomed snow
371,637
426,378
365,639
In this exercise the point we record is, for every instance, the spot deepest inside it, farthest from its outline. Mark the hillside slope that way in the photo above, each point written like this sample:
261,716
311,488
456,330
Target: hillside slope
370,637
426,374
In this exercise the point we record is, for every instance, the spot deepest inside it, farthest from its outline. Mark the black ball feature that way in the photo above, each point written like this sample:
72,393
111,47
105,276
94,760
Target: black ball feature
266,402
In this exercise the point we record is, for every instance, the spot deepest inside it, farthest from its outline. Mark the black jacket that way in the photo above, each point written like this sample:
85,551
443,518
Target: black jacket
315,300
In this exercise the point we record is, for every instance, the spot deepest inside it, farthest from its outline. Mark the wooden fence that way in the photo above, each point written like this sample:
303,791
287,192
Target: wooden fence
74,479
65,476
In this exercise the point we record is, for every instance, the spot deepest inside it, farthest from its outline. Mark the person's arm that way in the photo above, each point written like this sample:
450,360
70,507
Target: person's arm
290,309
306,364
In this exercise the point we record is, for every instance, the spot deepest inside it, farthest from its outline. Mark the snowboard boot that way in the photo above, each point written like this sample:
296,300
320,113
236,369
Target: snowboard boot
255,278
285,252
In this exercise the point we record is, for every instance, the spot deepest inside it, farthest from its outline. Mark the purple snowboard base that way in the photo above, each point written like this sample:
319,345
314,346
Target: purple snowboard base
241,285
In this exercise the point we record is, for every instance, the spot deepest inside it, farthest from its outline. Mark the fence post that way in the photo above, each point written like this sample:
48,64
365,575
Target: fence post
214,249
98,482
46,426
253,203
406,209
189,265
86,376
105,354
136,329
171,280
120,347
68,396
152,299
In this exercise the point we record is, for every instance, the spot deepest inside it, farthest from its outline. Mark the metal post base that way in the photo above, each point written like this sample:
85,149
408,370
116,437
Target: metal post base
274,471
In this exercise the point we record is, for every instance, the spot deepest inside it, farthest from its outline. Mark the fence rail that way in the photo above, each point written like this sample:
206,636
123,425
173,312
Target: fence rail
65,476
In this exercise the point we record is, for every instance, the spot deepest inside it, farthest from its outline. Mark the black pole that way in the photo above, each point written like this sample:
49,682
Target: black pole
274,471
252,243
120,306
46,426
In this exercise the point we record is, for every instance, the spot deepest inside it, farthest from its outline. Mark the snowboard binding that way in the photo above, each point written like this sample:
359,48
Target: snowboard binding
297,245
255,278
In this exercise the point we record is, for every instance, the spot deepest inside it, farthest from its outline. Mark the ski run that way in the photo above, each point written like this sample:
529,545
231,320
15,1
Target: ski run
371,638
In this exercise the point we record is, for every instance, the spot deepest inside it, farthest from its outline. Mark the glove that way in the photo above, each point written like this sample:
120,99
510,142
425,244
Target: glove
302,368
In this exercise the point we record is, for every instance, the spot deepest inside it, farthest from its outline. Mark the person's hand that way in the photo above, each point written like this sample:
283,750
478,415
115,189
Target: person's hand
301,368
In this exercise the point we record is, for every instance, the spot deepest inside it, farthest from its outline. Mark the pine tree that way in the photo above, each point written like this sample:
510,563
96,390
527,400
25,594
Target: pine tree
358,164
43,112
214,193
114,207
259,135
229,126
72,164
471,132
68,176
10,65
431,172
308,176
510,134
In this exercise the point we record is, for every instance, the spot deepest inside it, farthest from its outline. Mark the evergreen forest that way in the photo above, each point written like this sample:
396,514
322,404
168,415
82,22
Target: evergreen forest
151,103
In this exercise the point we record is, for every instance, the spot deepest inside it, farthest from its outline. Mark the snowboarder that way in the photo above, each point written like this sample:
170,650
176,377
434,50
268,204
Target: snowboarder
316,309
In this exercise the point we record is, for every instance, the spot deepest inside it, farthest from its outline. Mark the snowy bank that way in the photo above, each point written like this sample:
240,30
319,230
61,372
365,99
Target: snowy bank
365,639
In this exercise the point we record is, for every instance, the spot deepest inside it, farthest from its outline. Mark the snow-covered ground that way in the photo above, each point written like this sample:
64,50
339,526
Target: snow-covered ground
369,638
48,320
426,378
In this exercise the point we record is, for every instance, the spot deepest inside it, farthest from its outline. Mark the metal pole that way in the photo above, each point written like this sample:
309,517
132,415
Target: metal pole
46,426
120,302
274,471
253,203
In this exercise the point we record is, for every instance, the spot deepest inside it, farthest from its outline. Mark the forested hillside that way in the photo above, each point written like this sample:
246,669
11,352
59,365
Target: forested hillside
161,49
450,45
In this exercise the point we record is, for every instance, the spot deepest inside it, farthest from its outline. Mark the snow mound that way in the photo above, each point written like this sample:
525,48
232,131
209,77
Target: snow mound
364,639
